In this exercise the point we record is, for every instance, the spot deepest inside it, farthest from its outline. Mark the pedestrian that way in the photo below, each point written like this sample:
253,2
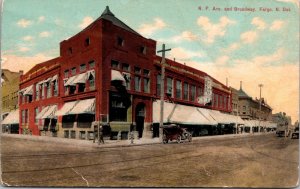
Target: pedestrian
101,134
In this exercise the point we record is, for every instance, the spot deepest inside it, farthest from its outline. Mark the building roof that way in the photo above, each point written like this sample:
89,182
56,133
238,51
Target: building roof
108,15
242,93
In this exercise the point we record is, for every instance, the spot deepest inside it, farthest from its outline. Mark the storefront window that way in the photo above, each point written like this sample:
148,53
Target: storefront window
118,110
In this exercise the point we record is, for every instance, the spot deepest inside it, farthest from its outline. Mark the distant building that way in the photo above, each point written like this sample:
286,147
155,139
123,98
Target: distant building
235,101
248,108
281,119
9,90
9,98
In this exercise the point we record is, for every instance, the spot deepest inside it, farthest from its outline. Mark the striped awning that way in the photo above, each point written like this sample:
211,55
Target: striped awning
11,118
50,113
67,107
84,107
41,113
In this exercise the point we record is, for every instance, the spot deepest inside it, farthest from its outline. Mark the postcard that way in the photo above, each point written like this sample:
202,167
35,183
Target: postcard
136,93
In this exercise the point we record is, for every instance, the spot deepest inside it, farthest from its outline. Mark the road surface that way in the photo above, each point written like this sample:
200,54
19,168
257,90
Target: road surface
249,161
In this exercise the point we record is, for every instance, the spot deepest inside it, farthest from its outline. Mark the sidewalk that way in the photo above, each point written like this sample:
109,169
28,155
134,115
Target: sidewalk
116,143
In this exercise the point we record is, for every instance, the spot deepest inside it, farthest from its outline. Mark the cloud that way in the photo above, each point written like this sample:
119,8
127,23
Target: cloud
41,19
24,49
44,34
214,30
58,22
276,25
222,60
184,36
150,28
296,2
232,47
28,38
85,22
24,23
259,23
249,37
183,54
25,63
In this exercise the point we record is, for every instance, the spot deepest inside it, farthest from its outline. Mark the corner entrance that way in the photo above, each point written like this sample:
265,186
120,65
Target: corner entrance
140,118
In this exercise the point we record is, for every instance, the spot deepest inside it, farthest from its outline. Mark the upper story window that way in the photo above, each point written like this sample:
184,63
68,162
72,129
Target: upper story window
143,49
55,88
115,64
70,50
137,70
91,64
178,89
125,67
170,86
186,91
193,93
66,73
137,83
158,84
82,67
146,73
73,71
120,41
87,42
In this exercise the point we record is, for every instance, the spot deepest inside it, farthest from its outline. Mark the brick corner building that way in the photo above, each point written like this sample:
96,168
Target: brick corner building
110,74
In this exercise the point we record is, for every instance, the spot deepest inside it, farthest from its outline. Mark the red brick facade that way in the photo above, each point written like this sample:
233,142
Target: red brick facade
105,45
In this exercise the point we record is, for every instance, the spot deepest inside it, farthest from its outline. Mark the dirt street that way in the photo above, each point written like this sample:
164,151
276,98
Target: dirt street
248,161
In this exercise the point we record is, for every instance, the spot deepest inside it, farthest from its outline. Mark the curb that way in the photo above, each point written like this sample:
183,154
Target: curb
120,143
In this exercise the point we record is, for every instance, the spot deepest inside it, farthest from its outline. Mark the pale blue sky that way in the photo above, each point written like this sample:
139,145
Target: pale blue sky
255,47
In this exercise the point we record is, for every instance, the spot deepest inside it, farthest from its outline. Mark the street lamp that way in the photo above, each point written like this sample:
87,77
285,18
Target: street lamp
260,86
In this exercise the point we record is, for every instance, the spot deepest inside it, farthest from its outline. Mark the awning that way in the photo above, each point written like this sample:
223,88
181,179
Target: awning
54,78
181,114
84,107
11,118
91,72
117,76
40,114
50,113
189,115
208,115
67,107
81,78
48,80
70,81
221,118
28,90
168,108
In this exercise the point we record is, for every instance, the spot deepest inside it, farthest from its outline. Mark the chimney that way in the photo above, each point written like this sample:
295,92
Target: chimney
241,85
21,72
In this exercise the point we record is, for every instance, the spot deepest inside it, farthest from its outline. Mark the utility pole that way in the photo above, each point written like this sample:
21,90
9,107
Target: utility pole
260,86
162,90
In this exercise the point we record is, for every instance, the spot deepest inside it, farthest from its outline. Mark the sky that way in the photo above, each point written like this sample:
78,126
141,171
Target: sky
256,42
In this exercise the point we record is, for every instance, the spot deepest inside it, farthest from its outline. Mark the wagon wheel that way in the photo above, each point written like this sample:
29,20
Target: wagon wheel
179,139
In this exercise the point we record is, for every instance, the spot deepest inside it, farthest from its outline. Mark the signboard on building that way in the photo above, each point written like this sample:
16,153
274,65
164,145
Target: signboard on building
207,96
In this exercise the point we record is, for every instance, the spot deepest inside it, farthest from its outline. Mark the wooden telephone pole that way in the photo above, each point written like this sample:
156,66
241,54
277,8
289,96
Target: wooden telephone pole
162,89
